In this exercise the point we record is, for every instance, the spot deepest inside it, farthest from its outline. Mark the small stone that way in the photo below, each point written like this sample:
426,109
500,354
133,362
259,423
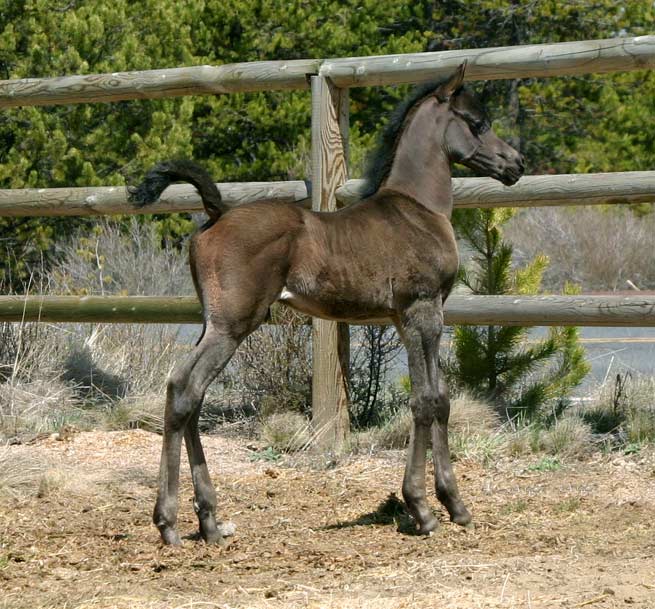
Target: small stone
226,529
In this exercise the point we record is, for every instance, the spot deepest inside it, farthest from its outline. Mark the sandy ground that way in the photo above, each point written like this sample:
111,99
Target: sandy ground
313,535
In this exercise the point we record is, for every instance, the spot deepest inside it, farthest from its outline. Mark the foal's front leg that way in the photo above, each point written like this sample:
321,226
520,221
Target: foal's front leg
421,325
444,476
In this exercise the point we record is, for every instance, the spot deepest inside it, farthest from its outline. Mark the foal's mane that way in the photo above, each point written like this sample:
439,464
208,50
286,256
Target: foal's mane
379,160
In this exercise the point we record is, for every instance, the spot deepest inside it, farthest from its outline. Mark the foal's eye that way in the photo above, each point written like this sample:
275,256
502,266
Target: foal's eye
478,127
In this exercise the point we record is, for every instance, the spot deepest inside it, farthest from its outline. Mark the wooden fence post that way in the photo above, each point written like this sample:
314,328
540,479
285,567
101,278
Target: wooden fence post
330,340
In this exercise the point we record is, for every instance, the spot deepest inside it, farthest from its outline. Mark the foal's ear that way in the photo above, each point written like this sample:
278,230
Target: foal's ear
447,89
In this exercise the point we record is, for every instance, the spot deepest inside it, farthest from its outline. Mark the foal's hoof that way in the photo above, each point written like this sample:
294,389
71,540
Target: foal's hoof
463,519
170,536
427,528
220,534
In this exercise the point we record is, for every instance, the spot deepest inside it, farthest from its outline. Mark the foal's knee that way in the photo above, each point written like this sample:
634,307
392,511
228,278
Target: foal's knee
423,407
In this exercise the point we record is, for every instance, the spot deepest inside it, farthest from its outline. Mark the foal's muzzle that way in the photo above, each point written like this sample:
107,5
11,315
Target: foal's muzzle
513,170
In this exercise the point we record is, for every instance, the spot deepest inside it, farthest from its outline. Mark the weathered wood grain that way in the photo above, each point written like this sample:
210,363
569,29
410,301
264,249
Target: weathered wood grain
108,200
617,311
542,190
552,190
152,84
525,61
559,59
330,340
530,191
551,310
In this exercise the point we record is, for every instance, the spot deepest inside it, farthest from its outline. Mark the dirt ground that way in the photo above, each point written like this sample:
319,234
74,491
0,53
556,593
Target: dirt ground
312,534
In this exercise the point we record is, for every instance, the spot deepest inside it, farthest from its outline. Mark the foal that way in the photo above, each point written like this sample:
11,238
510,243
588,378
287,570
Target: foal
390,257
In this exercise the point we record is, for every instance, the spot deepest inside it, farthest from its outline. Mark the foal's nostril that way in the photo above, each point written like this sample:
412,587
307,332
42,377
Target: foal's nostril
521,162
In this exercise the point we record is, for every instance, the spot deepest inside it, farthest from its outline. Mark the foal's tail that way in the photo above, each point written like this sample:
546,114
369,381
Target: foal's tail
164,174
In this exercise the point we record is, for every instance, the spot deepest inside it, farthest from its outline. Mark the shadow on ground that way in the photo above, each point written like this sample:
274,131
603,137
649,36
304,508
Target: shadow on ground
390,511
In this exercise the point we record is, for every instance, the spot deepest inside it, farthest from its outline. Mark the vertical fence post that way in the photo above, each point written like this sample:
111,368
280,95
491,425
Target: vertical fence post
330,340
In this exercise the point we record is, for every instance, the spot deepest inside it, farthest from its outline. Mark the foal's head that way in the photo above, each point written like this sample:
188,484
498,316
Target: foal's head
469,138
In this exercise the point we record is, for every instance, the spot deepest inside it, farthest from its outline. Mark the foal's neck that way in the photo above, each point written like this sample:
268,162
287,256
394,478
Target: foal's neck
421,168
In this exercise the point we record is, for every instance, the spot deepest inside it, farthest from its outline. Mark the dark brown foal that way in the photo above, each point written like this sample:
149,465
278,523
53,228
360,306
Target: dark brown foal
390,257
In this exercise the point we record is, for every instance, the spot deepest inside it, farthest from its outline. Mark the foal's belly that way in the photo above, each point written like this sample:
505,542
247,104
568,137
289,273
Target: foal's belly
337,310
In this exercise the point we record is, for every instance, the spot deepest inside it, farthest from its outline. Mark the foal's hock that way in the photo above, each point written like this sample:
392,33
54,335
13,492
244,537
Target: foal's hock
390,257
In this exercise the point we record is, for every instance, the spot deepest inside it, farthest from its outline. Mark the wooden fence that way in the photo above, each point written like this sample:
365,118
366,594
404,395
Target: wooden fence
586,310
530,191
329,81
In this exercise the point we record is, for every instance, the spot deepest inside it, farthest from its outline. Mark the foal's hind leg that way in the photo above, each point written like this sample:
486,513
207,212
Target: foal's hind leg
204,502
186,388
420,326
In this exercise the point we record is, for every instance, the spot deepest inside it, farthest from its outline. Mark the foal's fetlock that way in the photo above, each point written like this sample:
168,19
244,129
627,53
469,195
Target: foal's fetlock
207,524
169,536
426,521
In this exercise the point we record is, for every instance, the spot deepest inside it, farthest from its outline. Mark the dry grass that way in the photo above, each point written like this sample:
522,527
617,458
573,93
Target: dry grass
522,441
19,472
41,405
623,409
94,377
51,481
569,437
596,248
101,374
393,434
137,412
471,415
119,259
286,432
474,430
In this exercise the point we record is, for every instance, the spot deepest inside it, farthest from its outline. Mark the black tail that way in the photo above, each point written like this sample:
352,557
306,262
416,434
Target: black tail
164,174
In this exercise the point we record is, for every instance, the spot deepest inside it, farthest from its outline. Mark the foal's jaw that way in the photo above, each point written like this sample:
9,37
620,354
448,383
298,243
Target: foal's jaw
499,161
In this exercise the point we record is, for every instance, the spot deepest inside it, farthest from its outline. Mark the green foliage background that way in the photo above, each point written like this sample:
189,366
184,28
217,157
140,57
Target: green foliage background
594,123
238,137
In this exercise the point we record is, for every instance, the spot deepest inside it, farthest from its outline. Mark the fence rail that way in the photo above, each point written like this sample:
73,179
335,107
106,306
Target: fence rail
469,310
558,59
530,191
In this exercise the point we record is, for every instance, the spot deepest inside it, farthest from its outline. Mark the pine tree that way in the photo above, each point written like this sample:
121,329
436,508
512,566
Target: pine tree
499,362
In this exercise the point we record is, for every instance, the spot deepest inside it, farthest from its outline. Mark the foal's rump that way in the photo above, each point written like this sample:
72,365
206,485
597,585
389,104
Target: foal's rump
242,261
